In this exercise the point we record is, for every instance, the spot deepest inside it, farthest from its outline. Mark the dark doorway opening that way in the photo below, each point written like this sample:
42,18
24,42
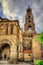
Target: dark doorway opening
5,56
5,52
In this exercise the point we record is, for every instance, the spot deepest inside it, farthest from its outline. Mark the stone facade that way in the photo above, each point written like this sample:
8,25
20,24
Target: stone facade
16,45
10,38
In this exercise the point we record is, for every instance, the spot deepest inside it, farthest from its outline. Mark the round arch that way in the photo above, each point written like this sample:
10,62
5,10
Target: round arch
4,41
5,48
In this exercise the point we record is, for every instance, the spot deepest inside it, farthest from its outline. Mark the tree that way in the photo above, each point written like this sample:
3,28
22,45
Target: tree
40,38
39,62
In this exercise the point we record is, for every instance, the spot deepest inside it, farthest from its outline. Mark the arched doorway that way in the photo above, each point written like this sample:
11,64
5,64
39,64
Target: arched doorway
5,52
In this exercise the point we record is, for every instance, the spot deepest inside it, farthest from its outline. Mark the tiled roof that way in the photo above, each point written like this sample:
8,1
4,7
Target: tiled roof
27,51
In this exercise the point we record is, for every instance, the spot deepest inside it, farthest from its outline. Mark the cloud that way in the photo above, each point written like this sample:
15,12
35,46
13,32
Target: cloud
16,9
6,10
38,15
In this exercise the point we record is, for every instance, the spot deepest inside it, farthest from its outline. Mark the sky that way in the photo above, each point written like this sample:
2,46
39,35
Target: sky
16,9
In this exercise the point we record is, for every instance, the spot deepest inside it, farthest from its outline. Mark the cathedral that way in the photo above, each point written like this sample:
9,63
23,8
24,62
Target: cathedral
18,46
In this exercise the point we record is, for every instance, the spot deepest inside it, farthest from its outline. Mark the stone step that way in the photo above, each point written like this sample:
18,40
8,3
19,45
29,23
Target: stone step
4,62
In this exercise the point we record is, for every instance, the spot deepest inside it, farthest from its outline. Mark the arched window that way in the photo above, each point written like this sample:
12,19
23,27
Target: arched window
29,17
30,35
6,29
11,28
29,27
29,21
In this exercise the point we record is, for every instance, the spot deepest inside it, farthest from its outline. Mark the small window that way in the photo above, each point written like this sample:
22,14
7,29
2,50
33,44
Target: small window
17,47
29,17
29,21
28,35
31,35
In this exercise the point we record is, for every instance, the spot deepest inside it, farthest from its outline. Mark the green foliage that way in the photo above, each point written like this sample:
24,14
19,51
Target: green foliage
39,62
40,38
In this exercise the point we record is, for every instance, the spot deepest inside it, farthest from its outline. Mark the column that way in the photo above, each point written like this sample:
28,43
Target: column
13,54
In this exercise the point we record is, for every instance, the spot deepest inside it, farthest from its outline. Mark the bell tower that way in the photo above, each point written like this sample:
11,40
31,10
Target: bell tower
29,21
29,32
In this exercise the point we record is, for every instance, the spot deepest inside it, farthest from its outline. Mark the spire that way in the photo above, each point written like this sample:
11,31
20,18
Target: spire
29,24
29,9
29,6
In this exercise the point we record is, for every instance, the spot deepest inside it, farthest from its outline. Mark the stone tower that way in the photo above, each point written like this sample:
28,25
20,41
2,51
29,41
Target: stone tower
29,24
28,35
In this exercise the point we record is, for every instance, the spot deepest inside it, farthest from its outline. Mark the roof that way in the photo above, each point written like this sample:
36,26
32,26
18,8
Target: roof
5,20
27,51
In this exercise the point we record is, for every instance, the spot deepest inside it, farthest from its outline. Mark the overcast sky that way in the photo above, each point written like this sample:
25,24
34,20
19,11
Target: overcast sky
16,9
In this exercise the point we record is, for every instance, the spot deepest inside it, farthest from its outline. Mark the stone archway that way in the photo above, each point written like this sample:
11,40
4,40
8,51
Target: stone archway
5,50
12,49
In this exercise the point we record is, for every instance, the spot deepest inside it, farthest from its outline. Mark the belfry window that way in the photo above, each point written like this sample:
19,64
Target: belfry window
29,21
29,27
11,28
29,17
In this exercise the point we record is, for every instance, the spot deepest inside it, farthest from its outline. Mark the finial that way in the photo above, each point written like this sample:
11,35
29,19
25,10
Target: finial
28,6
28,9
